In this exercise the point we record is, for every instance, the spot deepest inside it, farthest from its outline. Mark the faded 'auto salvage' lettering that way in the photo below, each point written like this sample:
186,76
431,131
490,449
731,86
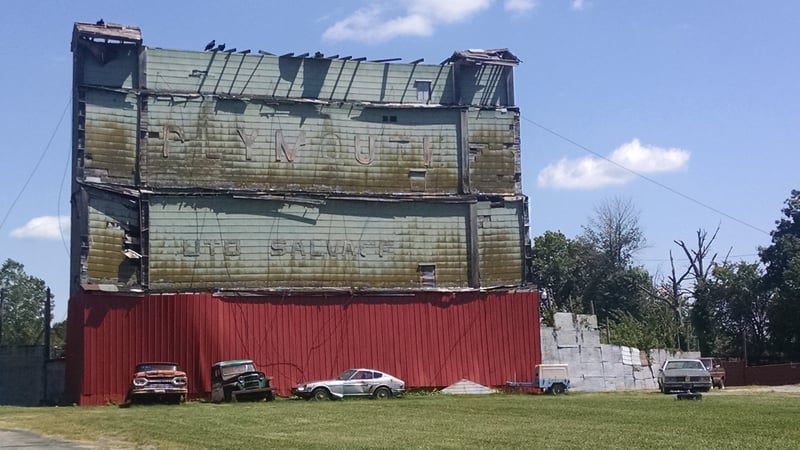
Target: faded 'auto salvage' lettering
314,248
299,248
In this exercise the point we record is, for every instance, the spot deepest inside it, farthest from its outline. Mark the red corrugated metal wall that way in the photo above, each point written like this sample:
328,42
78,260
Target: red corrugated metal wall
428,339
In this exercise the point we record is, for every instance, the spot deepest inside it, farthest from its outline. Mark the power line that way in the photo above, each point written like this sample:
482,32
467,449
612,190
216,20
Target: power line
745,255
35,167
58,202
645,177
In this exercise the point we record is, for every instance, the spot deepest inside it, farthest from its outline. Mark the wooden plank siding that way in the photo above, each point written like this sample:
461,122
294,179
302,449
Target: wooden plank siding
255,75
494,151
111,218
500,242
110,130
207,243
227,144
202,171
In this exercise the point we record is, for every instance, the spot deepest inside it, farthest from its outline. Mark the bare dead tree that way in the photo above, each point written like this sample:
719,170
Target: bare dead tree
697,257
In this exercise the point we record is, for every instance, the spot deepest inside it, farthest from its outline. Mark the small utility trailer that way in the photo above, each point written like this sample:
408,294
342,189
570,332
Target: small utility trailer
548,378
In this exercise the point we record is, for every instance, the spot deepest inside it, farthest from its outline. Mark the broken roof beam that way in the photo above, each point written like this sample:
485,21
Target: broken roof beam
497,56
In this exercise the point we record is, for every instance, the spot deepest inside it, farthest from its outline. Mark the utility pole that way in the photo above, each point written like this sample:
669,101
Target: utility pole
47,320
2,299
46,349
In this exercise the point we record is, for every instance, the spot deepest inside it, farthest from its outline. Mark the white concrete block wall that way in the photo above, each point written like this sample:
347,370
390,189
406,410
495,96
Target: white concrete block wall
575,340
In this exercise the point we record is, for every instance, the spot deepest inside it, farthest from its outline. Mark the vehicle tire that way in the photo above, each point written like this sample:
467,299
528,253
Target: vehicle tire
382,392
558,389
721,384
321,394
228,395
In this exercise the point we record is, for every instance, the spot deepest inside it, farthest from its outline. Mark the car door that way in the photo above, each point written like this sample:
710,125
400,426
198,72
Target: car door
359,383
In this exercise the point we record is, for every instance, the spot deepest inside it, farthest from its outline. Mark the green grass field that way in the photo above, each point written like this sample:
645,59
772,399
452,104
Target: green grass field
728,419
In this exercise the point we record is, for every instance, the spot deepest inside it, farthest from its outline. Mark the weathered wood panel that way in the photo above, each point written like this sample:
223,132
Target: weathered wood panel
485,85
500,242
230,144
206,243
113,221
494,159
110,146
226,73
112,65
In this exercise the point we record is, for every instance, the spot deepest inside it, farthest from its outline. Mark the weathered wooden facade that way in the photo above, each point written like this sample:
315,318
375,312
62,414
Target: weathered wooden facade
194,169
253,174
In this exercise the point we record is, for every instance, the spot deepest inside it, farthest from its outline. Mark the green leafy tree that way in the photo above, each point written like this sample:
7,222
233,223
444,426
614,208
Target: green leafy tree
58,338
650,329
561,266
22,306
782,261
740,303
614,284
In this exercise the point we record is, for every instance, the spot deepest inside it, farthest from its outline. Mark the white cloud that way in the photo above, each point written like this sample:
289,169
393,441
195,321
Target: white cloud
577,5
591,172
385,21
520,5
45,227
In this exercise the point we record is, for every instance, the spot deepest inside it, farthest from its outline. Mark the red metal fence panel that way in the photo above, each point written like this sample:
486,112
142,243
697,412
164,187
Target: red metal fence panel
429,339
737,374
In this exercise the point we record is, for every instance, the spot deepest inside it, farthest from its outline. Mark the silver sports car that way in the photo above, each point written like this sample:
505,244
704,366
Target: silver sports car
352,382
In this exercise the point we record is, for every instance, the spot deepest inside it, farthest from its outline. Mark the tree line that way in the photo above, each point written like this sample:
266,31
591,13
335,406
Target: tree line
706,302
23,299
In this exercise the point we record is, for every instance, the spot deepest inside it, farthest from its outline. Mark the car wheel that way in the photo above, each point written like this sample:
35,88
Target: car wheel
721,384
382,392
558,389
321,394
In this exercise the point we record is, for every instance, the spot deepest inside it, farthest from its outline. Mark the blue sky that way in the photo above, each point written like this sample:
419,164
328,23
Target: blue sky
698,100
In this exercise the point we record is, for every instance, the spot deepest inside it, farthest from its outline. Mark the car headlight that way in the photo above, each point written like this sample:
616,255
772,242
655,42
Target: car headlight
180,381
139,381
301,388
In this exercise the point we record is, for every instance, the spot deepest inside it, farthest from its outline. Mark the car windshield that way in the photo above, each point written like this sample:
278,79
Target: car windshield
697,365
230,371
346,374
151,366
708,362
